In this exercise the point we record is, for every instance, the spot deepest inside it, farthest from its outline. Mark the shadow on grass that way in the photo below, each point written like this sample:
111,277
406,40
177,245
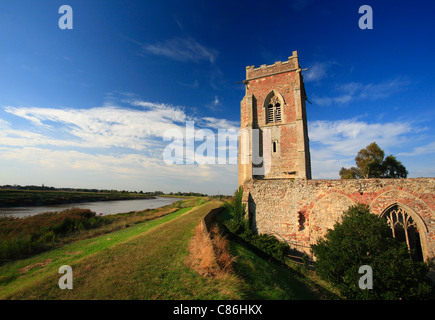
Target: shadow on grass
265,276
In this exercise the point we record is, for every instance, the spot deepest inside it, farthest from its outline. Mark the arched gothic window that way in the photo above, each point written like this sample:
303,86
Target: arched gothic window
273,110
405,229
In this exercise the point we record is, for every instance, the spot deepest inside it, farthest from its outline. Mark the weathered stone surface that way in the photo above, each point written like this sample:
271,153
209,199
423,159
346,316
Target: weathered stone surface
300,211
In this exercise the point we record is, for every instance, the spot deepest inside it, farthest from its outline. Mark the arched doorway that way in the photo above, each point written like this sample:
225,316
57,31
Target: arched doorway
404,227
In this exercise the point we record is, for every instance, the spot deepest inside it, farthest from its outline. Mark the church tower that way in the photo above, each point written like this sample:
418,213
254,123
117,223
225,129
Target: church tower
273,141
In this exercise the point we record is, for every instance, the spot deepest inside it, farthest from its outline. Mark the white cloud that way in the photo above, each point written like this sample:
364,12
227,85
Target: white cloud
193,85
346,136
182,49
11,137
101,127
335,144
317,71
4,124
105,127
216,123
214,104
421,150
109,143
138,170
216,101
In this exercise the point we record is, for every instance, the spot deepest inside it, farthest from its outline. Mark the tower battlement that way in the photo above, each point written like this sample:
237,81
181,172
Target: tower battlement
292,64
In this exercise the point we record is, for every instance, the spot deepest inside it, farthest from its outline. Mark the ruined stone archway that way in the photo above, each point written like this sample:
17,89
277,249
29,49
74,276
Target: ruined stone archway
414,208
326,212
407,226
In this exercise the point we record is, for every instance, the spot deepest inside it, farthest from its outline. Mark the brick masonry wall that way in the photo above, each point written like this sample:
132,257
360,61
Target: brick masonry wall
284,83
282,79
300,211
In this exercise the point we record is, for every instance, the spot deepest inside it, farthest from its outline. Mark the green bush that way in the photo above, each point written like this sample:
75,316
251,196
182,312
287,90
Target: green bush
268,244
364,239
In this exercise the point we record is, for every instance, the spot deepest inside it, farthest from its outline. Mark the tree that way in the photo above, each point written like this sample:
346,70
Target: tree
239,223
361,238
351,173
394,168
370,163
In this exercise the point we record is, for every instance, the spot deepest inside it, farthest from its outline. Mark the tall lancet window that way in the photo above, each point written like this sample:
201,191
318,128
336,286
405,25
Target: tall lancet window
273,110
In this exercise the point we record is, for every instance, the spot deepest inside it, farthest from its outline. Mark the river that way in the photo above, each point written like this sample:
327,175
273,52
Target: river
103,207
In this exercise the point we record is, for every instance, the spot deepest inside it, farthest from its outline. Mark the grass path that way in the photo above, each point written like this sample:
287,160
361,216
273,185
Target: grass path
145,261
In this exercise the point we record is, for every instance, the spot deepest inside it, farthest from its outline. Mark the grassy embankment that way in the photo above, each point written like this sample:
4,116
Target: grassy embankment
80,245
22,237
147,260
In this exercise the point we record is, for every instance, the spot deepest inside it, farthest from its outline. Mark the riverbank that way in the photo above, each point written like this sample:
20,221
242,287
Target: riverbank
16,277
20,198
23,237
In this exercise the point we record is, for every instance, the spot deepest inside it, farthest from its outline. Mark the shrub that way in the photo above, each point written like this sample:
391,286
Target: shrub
364,239
23,236
268,244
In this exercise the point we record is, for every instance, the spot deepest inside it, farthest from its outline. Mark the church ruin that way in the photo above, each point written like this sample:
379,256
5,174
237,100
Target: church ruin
275,172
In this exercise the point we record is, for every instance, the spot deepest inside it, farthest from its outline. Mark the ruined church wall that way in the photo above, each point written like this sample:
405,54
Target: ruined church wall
300,211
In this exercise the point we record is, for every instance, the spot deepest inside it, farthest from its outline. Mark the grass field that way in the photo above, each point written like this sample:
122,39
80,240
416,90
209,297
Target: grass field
148,261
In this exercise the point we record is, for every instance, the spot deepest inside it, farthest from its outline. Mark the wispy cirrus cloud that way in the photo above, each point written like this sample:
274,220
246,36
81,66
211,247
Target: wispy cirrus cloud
352,91
421,150
4,124
182,49
99,127
215,104
317,71
193,85
217,123
104,127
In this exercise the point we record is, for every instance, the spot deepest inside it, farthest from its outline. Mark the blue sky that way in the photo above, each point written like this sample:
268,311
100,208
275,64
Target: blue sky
89,107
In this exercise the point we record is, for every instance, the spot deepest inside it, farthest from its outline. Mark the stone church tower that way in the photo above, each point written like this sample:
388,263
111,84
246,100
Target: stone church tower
275,172
273,133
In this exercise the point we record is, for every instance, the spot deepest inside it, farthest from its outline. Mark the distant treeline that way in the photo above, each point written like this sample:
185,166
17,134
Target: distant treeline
45,188
151,193
25,197
191,194
18,196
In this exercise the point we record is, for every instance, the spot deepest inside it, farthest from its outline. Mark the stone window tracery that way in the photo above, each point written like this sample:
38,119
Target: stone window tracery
404,228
